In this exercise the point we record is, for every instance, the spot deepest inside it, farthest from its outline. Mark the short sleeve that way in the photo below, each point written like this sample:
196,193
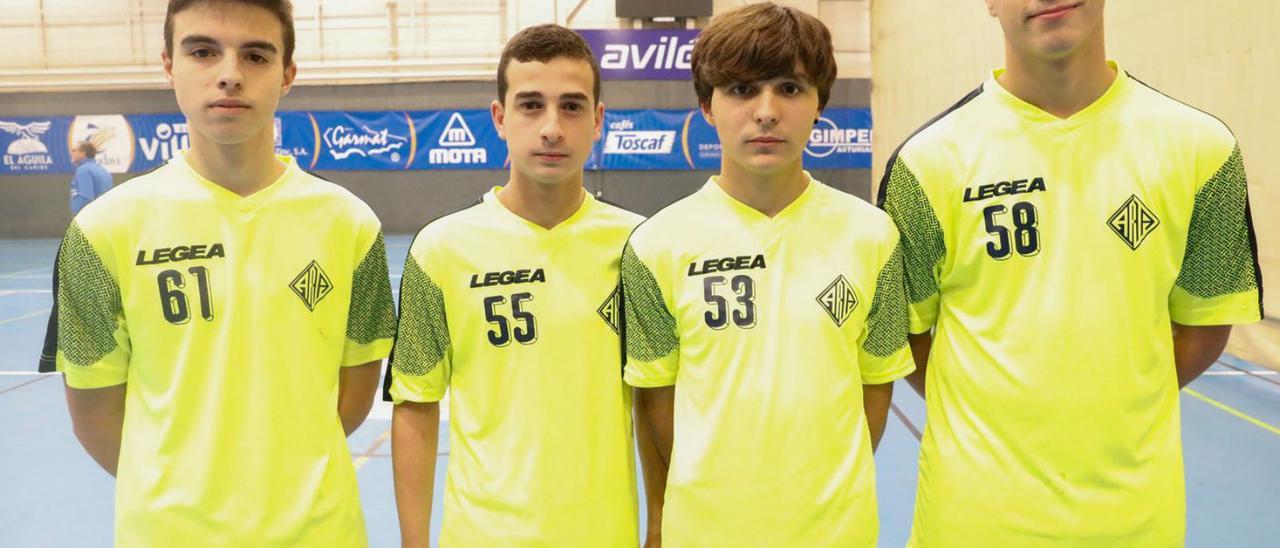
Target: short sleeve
93,349
371,320
923,247
1219,282
420,361
649,329
883,352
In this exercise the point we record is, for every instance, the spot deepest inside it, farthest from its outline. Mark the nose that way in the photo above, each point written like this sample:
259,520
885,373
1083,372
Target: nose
766,111
229,77
551,130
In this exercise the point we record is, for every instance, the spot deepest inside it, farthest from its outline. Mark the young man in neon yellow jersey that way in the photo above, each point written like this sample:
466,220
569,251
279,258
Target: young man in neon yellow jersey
512,306
1078,245
766,314
221,321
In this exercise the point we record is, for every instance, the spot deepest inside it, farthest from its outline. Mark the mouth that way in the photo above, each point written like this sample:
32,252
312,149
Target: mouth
229,105
551,156
1055,12
766,140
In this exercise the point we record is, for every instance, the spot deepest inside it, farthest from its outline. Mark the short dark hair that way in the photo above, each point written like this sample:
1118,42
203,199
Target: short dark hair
543,43
282,9
87,148
759,42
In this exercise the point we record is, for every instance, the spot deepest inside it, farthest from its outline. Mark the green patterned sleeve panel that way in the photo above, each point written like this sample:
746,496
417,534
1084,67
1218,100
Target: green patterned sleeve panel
649,329
885,355
420,364
923,247
1220,282
371,320
93,344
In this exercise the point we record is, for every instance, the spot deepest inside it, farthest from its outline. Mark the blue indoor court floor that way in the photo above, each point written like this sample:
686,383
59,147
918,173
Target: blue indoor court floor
53,495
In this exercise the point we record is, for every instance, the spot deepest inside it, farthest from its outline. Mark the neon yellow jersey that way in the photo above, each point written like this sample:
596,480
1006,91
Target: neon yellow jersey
1049,257
520,324
768,328
228,318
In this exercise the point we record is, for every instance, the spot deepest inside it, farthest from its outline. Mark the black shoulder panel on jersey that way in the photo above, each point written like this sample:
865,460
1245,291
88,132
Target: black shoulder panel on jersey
386,378
888,167
1248,214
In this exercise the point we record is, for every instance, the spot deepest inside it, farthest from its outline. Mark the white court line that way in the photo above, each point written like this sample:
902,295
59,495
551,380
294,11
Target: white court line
4,292
1239,373
26,373
44,312
20,273
27,276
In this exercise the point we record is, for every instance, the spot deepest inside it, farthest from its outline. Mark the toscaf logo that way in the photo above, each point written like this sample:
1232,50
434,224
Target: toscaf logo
623,138
27,153
457,145
110,134
170,139
343,142
827,138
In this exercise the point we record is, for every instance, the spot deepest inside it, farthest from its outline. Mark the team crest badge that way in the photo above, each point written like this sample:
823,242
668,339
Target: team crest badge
311,285
611,310
839,300
1133,222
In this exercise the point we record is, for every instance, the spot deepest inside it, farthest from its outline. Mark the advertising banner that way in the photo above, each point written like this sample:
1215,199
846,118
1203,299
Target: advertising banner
413,140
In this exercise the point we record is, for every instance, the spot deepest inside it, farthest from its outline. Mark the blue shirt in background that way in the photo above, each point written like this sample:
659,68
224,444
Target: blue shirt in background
91,180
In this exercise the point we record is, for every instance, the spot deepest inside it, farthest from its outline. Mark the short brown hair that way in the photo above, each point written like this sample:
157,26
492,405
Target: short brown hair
759,42
282,9
87,149
543,43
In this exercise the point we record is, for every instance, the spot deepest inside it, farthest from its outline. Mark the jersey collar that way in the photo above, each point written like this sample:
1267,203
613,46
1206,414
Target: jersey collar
220,195
490,200
749,214
1043,119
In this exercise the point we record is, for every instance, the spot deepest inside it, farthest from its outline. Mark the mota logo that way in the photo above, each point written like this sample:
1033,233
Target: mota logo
457,133
1133,222
457,145
311,285
839,300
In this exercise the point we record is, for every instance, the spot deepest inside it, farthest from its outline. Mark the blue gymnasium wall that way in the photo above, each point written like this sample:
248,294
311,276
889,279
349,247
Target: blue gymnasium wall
35,206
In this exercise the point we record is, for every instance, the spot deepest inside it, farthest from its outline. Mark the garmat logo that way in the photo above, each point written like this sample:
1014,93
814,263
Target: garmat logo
343,142
827,138
111,134
27,153
454,142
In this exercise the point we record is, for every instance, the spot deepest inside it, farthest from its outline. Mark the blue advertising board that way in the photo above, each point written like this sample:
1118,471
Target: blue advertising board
413,140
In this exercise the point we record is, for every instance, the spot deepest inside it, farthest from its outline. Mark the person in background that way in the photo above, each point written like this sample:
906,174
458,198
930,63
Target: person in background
91,180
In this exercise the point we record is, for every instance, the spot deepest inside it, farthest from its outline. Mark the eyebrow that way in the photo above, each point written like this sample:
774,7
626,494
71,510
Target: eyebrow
199,39
575,95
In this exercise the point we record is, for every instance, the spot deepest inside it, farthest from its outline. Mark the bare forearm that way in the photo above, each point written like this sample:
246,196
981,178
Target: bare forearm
415,429
97,418
1195,348
875,403
654,417
357,387
920,345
